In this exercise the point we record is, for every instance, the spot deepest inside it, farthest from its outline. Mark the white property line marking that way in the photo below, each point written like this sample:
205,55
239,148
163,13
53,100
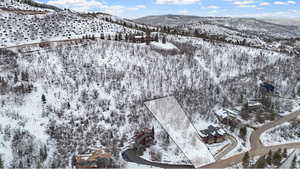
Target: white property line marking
174,120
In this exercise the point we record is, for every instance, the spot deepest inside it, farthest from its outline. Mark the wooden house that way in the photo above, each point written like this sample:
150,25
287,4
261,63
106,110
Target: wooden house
212,135
94,159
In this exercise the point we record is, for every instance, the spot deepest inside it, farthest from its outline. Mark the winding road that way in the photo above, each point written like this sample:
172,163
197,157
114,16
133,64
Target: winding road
131,156
257,148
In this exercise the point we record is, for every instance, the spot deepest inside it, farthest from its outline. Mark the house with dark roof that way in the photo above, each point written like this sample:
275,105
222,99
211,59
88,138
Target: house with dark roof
212,135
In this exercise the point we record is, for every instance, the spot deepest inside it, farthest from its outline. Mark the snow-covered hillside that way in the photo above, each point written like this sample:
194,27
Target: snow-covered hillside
279,135
23,29
56,89
57,100
15,5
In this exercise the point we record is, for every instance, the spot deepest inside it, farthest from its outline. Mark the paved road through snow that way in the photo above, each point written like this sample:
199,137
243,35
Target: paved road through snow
257,148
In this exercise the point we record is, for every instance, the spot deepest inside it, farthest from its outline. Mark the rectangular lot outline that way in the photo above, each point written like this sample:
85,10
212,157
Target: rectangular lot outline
179,127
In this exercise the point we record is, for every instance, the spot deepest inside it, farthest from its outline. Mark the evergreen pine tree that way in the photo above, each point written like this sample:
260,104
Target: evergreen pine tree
24,76
16,77
168,29
269,158
261,162
164,41
277,157
246,161
73,162
156,38
196,33
148,38
120,37
244,42
43,99
241,98
1,162
284,153
293,165
243,132
39,165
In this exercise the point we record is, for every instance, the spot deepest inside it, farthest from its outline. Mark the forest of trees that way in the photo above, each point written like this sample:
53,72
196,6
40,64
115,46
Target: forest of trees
271,159
96,91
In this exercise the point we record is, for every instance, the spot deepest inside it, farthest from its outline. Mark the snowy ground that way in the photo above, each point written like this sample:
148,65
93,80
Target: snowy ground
13,4
215,148
176,123
279,134
27,117
170,155
242,145
166,46
130,165
16,29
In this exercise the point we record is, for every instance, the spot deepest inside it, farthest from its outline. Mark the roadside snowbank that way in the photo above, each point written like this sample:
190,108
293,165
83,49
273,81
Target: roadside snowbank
278,135
167,46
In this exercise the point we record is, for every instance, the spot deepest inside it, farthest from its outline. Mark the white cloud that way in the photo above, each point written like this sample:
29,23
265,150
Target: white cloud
176,1
279,3
247,6
291,2
284,2
137,7
141,6
81,5
93,5
291,14
184,12
243,2
213,7
264,4
213,11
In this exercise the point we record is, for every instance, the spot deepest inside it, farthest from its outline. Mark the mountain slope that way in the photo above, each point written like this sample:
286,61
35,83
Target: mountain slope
26,5
23,29
249,25
118,77
57,100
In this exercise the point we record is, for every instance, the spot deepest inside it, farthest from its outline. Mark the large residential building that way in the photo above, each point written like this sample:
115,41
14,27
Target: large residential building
212,135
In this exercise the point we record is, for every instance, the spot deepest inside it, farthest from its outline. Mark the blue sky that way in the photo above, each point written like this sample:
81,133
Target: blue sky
138,8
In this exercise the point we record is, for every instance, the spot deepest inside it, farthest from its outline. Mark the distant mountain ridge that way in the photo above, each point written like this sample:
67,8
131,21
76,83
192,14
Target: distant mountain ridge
252,25
172,20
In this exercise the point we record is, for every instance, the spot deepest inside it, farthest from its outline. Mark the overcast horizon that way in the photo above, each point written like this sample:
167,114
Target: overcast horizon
139,8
